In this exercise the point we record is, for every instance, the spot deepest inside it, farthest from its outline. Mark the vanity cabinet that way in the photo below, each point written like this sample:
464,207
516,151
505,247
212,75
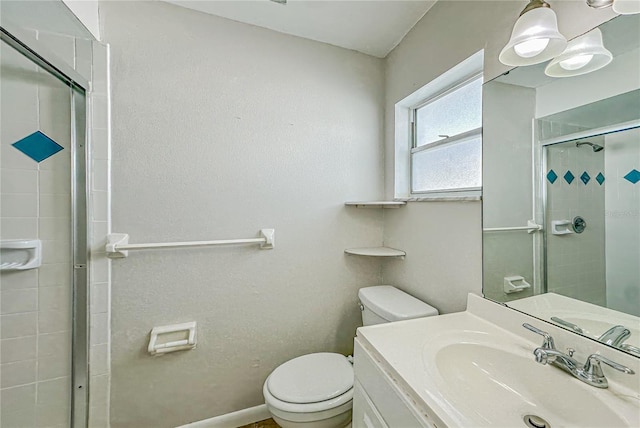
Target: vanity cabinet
378,400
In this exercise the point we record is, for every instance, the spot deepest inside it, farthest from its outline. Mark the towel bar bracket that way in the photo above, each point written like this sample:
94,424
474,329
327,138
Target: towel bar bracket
113,241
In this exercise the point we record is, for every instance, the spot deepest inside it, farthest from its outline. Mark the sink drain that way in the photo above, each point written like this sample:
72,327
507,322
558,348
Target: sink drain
533,421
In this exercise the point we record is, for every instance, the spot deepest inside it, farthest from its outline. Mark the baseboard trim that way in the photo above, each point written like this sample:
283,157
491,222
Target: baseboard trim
233,419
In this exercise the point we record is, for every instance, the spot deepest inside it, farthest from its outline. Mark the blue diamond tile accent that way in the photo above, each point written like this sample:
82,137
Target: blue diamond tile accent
569,177
38,146
633,176
552,176
585,177
600,178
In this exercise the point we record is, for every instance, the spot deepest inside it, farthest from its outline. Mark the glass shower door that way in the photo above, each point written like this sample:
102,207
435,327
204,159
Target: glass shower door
37,200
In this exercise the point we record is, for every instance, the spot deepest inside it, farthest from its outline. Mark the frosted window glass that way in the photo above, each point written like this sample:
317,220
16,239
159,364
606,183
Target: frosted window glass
457,112
446,167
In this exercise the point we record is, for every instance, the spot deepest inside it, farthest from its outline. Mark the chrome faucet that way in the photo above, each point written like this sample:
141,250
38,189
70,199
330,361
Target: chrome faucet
590,373
615,335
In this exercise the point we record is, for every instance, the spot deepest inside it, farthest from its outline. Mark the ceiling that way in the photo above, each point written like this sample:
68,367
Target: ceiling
371,27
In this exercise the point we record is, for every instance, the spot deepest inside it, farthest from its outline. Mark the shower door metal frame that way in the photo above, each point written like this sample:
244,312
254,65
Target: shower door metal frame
79,87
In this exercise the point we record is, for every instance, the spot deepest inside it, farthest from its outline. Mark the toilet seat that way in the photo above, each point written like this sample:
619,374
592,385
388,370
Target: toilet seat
311,387
311,378
311,411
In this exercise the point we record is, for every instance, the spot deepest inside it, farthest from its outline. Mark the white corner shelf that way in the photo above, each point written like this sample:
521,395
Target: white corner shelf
376,204
376,252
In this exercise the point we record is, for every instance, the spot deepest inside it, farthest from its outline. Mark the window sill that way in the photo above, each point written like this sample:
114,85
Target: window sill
440,198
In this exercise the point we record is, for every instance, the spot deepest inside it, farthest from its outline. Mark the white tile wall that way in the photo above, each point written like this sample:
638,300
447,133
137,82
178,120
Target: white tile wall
17,228
18,349
18,325
17,373
100,265
16,301
19,396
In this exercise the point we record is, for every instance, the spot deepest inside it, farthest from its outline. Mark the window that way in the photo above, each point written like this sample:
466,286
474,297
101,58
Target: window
446,148
441,154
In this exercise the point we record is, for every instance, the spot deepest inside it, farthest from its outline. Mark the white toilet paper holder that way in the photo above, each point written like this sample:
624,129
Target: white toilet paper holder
170,333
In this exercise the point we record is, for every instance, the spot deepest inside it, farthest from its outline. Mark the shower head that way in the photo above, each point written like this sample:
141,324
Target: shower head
595,147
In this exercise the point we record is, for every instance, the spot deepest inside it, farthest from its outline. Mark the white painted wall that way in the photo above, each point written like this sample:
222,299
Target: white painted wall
507,179
221,129
444,238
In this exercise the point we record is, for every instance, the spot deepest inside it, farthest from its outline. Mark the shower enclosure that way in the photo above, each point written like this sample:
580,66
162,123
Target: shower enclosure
592,219
44,253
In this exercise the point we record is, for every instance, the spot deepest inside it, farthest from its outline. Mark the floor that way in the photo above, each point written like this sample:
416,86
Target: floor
267,423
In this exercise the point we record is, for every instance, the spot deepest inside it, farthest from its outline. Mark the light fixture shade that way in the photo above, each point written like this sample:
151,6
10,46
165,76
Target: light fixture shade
626,7
540,25
583,55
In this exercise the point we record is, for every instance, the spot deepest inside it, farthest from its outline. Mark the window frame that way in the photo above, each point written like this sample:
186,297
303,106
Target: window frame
472,192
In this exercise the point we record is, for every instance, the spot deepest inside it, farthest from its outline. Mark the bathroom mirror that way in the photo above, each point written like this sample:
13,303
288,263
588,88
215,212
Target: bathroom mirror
561,192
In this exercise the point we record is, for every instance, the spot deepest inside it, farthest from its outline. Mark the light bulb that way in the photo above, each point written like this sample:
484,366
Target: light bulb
576,62
531,48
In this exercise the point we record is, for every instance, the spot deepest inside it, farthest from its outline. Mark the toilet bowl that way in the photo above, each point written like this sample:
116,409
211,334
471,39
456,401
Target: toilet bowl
316,390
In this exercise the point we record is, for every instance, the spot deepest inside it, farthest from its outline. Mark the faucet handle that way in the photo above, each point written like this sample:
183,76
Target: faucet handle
568,324
592,373
592,365
548,342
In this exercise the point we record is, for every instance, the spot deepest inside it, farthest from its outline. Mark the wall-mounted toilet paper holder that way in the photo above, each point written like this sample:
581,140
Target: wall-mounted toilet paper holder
172,338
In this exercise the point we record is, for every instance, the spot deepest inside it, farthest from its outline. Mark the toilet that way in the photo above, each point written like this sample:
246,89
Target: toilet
316,390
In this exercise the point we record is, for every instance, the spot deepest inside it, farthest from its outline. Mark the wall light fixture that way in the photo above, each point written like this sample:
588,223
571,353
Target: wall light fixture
535,37
583,55
623,7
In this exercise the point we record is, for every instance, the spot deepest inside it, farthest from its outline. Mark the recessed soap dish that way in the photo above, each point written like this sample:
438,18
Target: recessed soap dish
20,254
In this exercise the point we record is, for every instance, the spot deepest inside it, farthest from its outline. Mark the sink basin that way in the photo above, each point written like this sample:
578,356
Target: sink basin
462,370
500,388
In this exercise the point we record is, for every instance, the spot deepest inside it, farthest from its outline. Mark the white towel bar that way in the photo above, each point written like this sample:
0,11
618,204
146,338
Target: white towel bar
118,243
530,228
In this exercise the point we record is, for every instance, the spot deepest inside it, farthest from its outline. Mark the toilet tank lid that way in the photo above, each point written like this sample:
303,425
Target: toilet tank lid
393,304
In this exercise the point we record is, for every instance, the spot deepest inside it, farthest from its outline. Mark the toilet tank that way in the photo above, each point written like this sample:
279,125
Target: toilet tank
384,303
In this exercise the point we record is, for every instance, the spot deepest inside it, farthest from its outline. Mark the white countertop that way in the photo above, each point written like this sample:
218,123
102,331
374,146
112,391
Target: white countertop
408,350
